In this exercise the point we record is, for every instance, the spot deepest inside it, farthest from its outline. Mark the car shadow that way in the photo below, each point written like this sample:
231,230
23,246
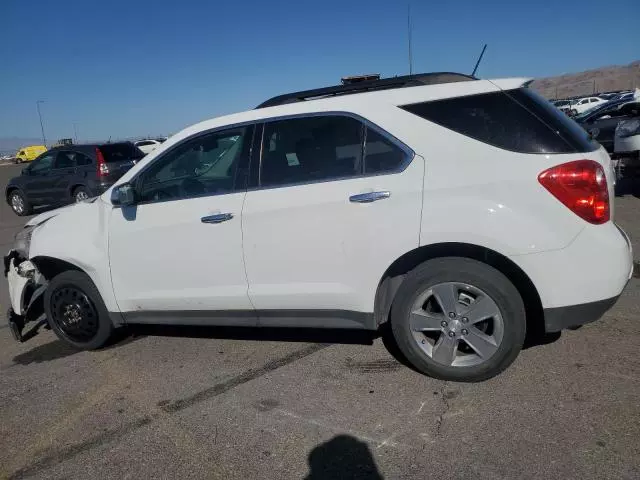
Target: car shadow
304,335
344,456
45,353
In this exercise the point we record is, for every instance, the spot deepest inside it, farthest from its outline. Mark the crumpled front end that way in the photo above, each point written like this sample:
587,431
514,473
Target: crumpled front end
26,291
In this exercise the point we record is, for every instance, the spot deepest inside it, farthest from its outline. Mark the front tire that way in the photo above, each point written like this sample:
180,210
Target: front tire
458,319
19,203
76,312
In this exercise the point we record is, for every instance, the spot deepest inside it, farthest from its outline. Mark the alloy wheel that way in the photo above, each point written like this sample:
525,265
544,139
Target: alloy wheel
456,324
81,196
17,203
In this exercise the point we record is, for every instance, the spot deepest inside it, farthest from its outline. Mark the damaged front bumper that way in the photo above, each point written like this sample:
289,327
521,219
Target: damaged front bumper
26,291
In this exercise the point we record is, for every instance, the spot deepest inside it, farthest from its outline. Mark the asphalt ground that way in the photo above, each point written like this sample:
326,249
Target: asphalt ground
248,403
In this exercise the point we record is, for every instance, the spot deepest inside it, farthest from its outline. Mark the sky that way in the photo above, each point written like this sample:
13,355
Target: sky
134,68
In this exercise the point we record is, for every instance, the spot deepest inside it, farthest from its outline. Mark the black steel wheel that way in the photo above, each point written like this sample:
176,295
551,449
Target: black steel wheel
76,312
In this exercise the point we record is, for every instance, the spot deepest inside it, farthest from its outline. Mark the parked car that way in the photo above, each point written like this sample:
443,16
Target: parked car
463,216
601,122
27,154
70,173
627,145
585,104
147,146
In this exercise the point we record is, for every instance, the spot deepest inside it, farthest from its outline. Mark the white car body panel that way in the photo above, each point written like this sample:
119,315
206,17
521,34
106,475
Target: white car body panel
164,258
309,247
78,234
17,286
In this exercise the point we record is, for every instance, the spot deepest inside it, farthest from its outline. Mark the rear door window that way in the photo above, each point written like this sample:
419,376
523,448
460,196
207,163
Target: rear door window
311,149
381,155
83,160
64,160
517,120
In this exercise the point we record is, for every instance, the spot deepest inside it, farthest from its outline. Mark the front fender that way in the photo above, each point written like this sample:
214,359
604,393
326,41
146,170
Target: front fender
77,235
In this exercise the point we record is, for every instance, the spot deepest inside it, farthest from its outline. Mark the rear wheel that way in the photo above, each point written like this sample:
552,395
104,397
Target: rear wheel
76,312
80,194
19,203
458,319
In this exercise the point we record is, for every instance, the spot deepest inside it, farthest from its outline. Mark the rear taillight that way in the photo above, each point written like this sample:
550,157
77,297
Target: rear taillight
103,168
582,187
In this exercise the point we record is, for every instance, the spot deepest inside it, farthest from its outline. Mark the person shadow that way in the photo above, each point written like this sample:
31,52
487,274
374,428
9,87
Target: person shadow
345,457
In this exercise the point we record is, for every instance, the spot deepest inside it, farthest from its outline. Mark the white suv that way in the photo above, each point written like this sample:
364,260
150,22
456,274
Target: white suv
464,212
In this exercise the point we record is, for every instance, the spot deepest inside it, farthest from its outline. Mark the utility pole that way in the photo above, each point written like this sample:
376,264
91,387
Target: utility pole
409,34
75,132
44,139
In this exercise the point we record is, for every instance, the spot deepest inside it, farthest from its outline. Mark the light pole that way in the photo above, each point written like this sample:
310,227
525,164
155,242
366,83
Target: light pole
44,139
75,132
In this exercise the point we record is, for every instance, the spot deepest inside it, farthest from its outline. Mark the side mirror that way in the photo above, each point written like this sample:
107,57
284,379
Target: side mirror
123,195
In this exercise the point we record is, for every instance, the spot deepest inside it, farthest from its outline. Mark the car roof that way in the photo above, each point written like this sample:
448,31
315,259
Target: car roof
357,101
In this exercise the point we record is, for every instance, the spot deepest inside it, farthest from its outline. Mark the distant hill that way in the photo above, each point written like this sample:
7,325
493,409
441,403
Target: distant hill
599,80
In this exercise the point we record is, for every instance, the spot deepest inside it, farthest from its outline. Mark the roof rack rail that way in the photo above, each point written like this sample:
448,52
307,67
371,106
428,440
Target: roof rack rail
368,86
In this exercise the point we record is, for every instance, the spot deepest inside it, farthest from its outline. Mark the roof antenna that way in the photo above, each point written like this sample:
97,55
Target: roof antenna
409,34
479,60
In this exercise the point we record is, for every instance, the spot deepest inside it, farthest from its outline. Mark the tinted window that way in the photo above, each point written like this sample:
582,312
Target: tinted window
205,165
144,143
119,152
311,149
43,163
517,120
381,155
82,160
64,160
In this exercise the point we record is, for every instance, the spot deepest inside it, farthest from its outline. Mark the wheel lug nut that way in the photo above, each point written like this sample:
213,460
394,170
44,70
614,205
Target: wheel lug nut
465,320
452,315
443,323
452,334
465,331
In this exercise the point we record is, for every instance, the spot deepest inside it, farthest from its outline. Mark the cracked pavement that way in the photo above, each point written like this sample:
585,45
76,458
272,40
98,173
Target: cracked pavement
245,403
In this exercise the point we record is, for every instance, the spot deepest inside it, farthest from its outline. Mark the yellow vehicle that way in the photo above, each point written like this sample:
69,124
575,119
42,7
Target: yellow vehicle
29,153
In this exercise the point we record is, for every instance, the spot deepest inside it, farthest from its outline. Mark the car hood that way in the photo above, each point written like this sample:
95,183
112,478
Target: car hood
43,217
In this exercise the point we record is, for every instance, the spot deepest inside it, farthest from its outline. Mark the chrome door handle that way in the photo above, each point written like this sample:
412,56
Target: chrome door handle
369,197
218,218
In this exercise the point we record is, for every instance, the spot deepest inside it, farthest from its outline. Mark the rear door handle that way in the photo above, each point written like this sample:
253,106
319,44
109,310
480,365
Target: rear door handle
218,218
369,197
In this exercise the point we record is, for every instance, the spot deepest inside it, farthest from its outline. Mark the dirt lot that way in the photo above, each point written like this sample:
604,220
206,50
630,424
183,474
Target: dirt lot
247,403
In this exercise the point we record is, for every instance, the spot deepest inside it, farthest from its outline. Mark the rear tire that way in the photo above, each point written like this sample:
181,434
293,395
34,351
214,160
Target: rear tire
475,336
80,194
19,203
76,312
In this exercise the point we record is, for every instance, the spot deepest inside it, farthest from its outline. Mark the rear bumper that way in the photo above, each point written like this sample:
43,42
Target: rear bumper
579,283
556,319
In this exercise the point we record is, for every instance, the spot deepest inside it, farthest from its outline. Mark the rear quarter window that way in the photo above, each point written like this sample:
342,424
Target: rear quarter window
118,152
516,120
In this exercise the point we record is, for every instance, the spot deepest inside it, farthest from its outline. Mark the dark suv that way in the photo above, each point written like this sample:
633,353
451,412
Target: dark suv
70,173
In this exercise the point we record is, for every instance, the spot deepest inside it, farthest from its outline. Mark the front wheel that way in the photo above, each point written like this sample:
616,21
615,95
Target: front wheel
19,203
76,312
458,319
